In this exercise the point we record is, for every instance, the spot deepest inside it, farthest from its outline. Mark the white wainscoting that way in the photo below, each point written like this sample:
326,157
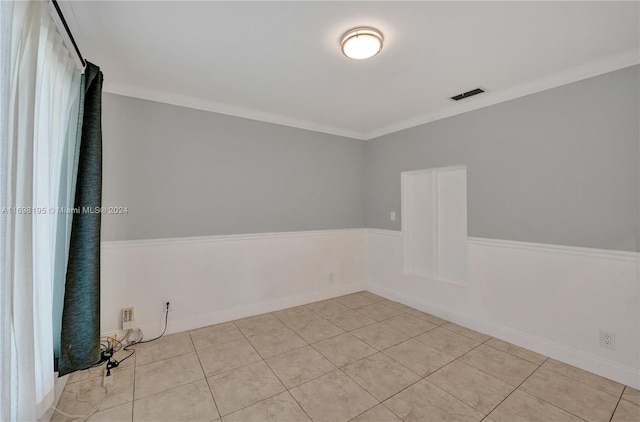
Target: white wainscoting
547,298
214,279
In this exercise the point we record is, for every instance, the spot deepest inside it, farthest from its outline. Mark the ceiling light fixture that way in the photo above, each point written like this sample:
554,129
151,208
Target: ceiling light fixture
361,43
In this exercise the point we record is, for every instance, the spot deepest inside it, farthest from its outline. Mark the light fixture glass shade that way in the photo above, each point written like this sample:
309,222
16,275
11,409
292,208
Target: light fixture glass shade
361,43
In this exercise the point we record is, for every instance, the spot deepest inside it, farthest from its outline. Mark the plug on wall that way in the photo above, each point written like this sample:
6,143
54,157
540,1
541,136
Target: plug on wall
127,318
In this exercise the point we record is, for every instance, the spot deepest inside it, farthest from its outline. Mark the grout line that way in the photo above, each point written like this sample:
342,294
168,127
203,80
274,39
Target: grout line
263,361
616,408
512,391
533,395
205,376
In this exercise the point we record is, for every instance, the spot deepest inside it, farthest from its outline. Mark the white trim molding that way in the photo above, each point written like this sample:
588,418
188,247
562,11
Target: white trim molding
557,249
136,243
226,109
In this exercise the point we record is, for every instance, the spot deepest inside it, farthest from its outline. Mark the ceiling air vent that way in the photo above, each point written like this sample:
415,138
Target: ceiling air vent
467,94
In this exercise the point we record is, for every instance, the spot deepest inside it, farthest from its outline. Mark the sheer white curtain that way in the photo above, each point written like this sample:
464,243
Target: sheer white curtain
40,88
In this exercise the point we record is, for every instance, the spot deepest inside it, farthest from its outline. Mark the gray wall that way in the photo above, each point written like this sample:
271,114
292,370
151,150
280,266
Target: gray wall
184,172
558,167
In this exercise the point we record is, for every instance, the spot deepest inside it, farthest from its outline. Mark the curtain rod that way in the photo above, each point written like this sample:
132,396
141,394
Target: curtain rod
66,28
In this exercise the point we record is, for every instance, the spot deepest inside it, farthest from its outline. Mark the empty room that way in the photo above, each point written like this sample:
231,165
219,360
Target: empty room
327,211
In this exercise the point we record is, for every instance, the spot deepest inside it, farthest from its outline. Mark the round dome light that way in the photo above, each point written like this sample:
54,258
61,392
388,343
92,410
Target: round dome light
361,43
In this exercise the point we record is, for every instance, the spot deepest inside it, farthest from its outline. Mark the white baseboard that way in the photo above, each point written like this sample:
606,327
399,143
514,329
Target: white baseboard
232,314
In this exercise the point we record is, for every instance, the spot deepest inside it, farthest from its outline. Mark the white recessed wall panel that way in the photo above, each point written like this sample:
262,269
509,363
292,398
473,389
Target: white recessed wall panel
452,224
419,193
434,223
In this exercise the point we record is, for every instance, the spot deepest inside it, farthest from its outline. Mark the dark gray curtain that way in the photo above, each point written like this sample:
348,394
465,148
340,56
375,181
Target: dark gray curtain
80,336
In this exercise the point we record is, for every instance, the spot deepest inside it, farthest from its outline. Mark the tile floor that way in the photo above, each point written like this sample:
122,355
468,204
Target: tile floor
358,358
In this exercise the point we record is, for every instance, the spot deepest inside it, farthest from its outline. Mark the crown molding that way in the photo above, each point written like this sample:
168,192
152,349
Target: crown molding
599,67
227,109
589,70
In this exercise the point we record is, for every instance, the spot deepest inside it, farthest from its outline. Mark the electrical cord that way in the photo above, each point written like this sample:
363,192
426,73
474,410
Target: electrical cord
109,351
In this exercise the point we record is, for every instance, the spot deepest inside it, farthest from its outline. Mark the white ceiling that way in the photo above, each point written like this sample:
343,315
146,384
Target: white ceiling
281,61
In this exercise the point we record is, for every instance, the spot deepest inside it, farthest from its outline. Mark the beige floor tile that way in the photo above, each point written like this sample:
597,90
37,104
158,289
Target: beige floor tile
632,395
424,402
377,414
351,320
344,349
316,330
573,396
167,379
517,351
81,398
626,412
396,306
381,376
354,300
215,335
328,308
418,357
120,413
501,365
409,325
279,408
447,341
379,311
523,407
585,377
380,335
276,342
167,374
427,317
164,348
260,324
190,402
371,296
227,356
464,331
243,387
479,390
333,397
296,315
299,366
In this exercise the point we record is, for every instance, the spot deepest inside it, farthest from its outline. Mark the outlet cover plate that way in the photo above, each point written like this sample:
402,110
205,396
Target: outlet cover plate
608,339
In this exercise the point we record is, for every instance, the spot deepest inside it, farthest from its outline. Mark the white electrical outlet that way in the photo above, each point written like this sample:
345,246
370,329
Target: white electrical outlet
331,277
393,216
127,318
608,339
